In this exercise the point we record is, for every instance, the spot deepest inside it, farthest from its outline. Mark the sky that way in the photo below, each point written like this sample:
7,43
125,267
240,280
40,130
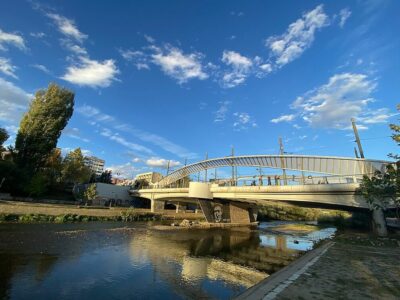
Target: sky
159,81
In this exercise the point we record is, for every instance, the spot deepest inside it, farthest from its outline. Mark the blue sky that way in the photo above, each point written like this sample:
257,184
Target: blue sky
172,80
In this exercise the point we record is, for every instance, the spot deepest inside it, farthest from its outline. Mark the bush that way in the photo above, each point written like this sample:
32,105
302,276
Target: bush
38,185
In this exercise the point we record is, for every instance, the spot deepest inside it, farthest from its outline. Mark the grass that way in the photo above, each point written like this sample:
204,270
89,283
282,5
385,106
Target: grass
72,218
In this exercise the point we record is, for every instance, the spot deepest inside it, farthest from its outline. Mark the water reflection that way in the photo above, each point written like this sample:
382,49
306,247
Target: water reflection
105,261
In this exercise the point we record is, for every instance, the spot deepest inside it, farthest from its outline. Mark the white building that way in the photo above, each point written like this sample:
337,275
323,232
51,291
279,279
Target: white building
95,164
150,177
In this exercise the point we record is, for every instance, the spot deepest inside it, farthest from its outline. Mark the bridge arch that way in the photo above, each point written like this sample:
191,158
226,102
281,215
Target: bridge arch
329,165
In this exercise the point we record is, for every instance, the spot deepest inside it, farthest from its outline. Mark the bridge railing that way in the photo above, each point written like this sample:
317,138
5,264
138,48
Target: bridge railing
271,180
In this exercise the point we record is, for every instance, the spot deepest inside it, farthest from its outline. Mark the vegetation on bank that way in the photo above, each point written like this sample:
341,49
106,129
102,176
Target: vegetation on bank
125,216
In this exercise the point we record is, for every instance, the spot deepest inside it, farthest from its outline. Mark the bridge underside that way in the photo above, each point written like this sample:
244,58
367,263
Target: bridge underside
238,204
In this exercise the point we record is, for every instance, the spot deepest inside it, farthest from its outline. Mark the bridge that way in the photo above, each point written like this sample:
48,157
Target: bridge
315,179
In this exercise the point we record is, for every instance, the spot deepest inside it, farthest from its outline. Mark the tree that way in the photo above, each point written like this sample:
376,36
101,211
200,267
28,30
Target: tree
380,191
53,167
396,137
3,137
74,170
105,177
41,126
90,193
396,130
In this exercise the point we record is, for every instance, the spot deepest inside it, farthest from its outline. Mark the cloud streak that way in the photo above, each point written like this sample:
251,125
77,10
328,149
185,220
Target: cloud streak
97,116
11,39
298,37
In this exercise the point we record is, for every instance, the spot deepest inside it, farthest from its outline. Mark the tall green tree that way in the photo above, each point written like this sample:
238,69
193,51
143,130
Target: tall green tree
380,191
53,167
3,137
41,126
74,170
395,135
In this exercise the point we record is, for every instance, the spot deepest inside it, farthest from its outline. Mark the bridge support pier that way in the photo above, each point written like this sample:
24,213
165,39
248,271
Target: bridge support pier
157,205
219,211
180,207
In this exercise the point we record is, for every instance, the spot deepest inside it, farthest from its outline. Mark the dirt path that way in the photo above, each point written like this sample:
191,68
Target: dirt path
355,267
352,266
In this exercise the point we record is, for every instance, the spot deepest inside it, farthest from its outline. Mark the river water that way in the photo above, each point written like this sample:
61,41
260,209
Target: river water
136,261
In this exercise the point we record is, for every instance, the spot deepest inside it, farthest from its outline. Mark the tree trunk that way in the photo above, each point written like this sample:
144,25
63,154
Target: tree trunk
379,222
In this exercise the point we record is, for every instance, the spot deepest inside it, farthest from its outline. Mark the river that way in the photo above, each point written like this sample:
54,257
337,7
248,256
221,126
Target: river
136,261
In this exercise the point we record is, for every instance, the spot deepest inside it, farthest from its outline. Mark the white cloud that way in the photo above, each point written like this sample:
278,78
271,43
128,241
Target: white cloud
240,68
83,70
122,141
266,68
284,118
380,115
90,111
41,68
124,171
344,14
220,114
7,68
162,163
76,49
149,39
178,65
13,102
92,73
138,58
243,121
11,39
236,60
345,96
75,133
298,37
38,35
67,27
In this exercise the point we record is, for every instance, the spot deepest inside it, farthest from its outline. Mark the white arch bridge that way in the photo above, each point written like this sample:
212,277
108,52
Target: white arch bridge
237,204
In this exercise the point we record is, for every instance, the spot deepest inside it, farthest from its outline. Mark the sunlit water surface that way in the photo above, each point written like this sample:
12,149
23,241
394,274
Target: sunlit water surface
119,261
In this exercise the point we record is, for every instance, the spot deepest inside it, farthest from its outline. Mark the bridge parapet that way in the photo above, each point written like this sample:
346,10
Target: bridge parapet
336,166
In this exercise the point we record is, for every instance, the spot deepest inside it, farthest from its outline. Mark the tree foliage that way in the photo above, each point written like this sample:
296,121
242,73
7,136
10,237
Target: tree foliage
74,170
105,177
90,193
380,190
3,137
41,126
53,167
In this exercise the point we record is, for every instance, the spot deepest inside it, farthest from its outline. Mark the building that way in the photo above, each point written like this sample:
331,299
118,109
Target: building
107,194
95,164
150,177
122,181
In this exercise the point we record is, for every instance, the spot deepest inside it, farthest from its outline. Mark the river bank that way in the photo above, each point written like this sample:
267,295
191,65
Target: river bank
354,265
28,212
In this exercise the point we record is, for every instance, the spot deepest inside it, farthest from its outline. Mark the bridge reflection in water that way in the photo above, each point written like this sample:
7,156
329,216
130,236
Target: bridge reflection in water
240,257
